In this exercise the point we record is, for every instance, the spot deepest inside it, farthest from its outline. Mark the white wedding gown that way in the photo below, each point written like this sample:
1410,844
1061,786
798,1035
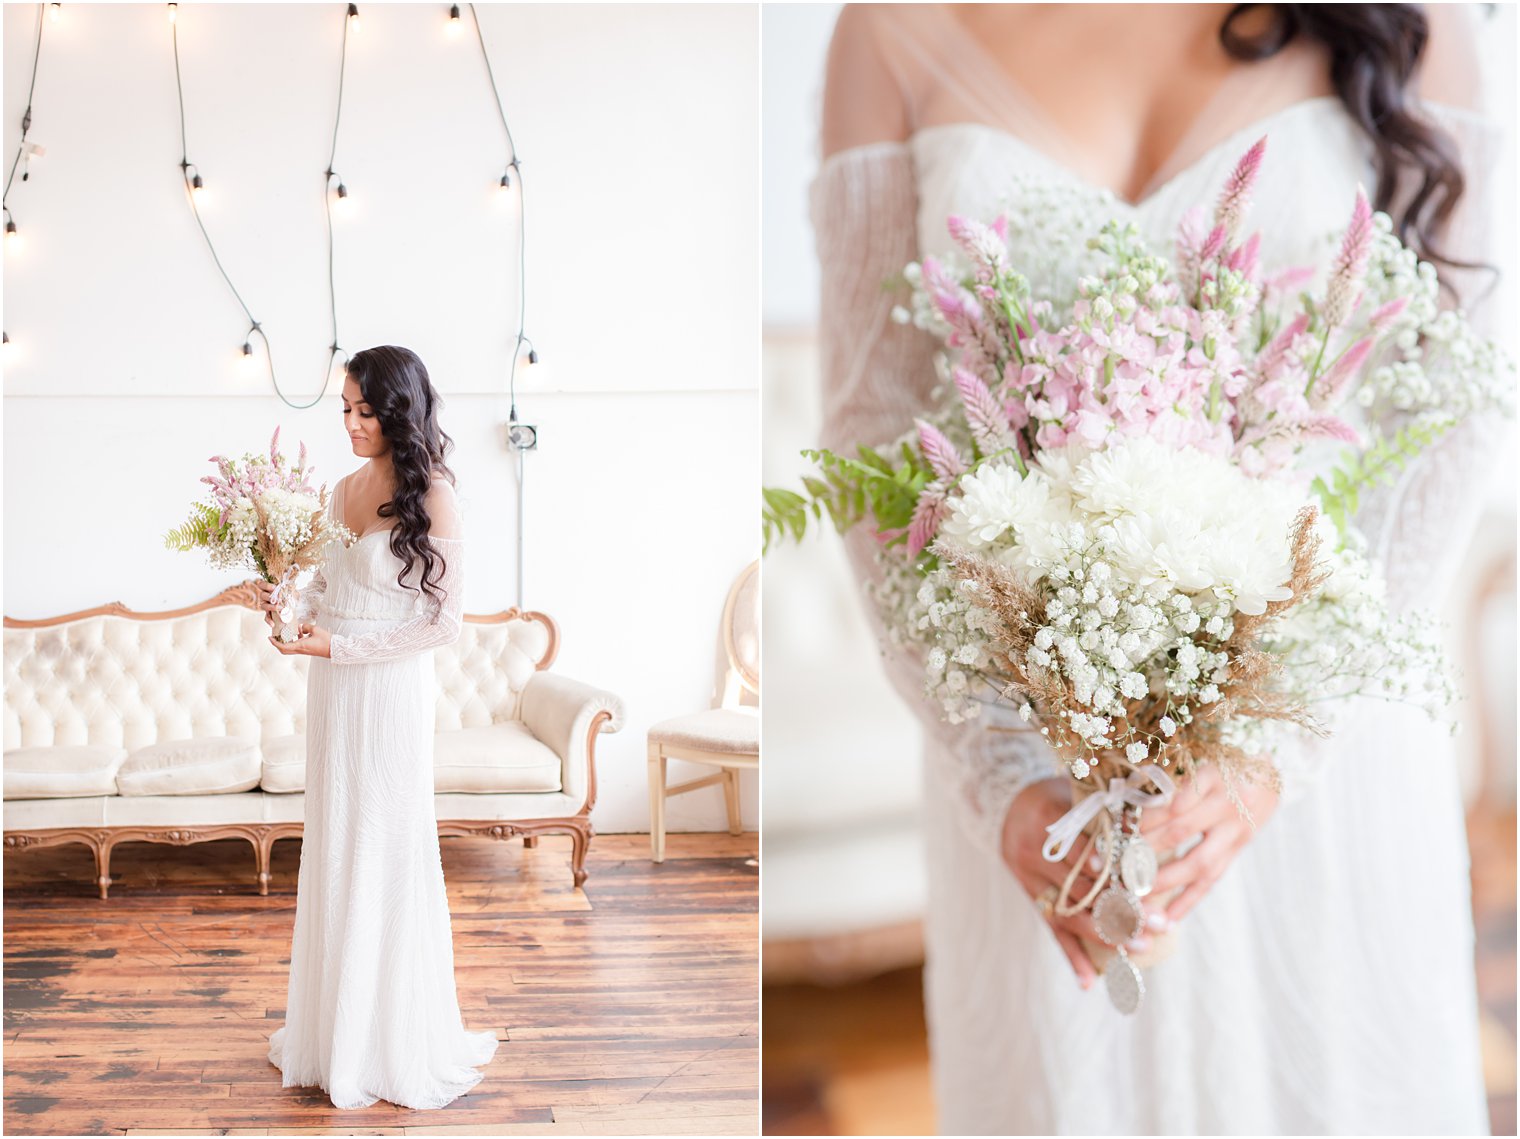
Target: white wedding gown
372,1012
1326,983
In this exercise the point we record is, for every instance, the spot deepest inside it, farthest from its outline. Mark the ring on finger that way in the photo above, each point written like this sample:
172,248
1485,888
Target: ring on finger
1046,900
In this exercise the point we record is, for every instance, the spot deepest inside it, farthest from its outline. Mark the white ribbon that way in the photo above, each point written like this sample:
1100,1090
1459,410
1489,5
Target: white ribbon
1121,792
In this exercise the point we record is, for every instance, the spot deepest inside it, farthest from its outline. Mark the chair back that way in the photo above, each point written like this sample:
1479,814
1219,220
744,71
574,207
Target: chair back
741,638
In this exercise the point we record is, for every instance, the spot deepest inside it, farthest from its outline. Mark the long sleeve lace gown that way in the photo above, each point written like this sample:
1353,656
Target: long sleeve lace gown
372,1012
1326,983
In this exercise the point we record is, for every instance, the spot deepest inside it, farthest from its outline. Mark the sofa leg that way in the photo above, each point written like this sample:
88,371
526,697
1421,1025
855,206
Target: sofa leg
103,866
580,838
262,847
530,841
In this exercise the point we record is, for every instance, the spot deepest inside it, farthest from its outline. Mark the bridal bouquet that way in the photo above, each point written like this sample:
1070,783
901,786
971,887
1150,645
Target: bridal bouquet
1109,518
263,515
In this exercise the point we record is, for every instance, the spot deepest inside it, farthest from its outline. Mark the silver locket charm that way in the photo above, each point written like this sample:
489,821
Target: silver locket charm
1126,988
1117,915
1137,866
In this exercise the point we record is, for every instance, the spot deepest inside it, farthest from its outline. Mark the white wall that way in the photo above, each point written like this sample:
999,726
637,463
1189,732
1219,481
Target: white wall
636,128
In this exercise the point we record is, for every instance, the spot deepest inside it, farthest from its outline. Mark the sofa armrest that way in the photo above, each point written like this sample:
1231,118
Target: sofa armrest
561,713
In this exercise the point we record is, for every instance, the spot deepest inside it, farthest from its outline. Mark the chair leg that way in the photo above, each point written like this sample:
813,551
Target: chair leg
261,849
731,798
656,804
103,865
530,841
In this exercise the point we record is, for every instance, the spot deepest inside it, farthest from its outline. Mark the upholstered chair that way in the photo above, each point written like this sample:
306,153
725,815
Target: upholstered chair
726,736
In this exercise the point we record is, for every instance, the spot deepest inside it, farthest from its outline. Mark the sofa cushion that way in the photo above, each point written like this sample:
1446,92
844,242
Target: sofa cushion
210,766
731,731
495,758
62,771
498,757
283,770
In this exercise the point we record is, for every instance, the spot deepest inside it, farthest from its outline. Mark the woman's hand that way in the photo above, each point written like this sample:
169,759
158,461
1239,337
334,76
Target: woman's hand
1024,835
265,590
314,641
1201,806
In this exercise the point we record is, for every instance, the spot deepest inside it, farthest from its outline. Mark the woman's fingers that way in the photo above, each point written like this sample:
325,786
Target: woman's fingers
1081,963
1205,858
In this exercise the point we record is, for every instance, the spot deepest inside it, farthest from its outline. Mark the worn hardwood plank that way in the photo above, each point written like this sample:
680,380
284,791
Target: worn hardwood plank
628,1008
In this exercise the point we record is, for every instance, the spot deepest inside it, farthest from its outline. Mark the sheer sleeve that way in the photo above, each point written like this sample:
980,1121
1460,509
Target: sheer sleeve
427,630
877,375
1420,528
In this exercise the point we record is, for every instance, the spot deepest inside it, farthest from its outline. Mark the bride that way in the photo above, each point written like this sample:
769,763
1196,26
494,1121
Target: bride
1322,975
373,1012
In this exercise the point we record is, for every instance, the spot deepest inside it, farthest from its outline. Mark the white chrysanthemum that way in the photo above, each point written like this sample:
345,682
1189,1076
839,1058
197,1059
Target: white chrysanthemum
1190,520
997,500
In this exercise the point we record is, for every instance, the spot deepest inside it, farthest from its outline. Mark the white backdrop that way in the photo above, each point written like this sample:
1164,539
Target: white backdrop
636,128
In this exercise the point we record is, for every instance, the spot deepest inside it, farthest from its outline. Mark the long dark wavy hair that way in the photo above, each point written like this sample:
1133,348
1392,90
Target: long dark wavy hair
1374,51
394,382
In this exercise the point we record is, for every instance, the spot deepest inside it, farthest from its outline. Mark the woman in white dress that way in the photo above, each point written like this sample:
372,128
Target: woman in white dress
1322,978
372,1011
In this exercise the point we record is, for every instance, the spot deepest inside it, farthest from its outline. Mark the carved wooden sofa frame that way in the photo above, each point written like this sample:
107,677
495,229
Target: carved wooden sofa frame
262,836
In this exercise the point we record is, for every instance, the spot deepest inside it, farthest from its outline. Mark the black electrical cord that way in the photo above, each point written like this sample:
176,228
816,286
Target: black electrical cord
254,327
513,164
26,117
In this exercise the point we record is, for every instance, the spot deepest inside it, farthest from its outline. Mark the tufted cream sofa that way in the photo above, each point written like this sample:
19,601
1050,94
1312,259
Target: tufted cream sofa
186,726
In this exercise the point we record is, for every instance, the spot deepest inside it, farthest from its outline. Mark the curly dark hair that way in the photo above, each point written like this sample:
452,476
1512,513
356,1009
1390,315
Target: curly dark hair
394,382
1374,51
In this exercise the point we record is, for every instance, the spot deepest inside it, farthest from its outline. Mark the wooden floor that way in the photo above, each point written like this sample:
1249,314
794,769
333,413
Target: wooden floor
628,1008
853,1059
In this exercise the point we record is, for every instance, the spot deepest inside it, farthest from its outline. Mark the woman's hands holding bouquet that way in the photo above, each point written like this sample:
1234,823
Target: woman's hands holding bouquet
1024,834
1201,807
313,641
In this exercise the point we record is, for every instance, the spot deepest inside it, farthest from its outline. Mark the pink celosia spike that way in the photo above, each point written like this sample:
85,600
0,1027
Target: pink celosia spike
928,513
1000,226
1332,386
1213,245
1278,346
274,442
988,422
1385,314
940,452
1289,278
980,242
1327,427
1350,263
1236,194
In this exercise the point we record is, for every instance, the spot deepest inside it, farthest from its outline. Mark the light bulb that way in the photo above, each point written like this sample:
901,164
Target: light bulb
454,25
247,357
353,16
53,12
173,8
198,189
12,237
343,204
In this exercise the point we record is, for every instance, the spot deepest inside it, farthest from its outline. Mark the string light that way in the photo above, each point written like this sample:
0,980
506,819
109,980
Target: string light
504,187
54,11
196,189
454,25
173,10
12,233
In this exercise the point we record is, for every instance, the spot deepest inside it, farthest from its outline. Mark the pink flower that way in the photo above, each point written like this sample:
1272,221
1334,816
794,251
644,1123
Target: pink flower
930,511
1331,387
1350,263
940,452
1236,195
989,422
